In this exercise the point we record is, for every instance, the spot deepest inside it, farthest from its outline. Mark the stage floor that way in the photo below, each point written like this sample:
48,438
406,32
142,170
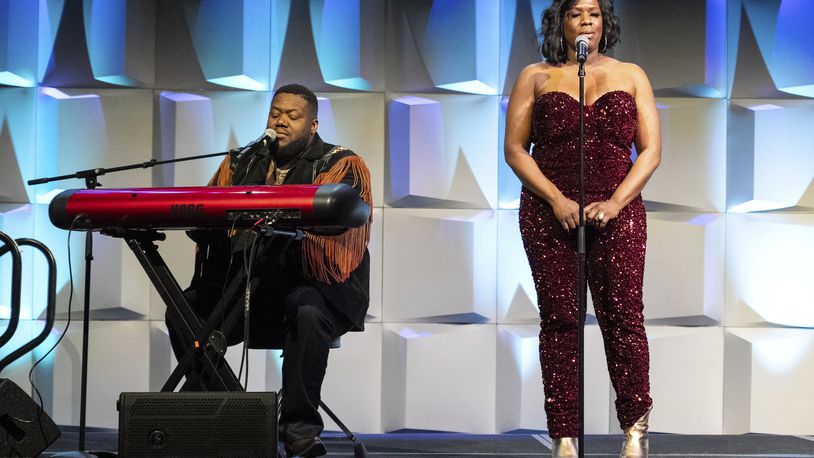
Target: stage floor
519,444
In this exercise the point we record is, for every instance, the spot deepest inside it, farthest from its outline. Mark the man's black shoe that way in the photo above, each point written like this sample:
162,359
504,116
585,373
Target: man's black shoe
307,447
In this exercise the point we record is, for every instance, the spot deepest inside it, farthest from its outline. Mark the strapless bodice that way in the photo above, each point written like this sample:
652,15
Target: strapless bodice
610,128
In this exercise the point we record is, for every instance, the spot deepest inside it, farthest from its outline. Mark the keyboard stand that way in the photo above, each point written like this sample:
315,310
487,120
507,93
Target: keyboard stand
204,356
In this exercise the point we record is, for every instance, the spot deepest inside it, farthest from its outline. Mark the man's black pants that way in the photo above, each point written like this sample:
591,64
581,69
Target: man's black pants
309,325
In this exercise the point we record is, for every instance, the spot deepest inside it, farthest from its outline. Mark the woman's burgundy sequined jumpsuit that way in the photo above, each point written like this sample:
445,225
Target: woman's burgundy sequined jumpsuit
614,258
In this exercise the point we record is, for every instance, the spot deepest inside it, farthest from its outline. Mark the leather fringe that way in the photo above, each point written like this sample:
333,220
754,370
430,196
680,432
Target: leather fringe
333,258
223,176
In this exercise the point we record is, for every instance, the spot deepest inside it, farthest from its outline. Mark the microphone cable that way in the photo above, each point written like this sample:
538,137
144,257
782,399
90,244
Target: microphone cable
247,266
229,233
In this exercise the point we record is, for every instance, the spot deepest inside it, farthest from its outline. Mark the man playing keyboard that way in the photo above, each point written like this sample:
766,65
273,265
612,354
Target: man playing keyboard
316,290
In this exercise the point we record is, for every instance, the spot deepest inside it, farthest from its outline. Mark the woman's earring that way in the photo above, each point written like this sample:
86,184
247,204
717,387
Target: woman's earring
604,40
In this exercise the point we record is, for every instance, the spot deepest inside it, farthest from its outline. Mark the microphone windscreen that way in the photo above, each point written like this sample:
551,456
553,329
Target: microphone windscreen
271,134
581,38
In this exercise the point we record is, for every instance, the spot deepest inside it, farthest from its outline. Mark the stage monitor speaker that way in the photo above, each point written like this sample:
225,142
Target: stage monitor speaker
25,429
200,424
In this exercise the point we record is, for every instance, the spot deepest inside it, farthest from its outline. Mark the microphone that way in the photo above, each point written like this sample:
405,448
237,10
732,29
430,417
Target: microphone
268,137
581,44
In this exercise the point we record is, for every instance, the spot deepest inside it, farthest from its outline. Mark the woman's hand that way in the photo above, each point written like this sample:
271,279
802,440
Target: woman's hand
600,213
567,212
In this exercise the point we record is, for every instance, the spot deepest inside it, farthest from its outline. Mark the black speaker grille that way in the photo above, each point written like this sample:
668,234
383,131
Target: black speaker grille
204,425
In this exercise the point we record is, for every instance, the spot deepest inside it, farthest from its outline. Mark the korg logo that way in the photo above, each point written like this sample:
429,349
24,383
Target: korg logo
187,210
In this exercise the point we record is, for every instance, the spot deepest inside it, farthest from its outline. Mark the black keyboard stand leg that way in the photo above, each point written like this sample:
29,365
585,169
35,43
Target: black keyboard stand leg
202,355
182,317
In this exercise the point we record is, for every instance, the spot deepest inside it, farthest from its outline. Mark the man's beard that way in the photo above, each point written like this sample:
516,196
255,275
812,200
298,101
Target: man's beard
285,154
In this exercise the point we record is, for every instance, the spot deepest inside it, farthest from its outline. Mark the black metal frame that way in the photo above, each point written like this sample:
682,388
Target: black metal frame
50,310
10,246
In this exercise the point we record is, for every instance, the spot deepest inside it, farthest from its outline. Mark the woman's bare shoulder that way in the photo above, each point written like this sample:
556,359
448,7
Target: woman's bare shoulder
626,74
627,69
536,75
532,78
537,68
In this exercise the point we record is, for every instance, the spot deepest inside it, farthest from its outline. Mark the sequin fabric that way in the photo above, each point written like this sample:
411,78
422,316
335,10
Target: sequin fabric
614,257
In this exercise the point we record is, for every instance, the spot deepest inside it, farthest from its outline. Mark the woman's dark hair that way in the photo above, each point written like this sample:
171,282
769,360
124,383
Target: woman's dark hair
304,92
552,42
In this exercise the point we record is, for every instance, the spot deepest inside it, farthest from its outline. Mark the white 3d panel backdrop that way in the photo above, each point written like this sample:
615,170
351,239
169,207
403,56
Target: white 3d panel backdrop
419,90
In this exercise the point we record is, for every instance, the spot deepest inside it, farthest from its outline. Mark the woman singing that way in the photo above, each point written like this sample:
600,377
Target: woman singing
620,110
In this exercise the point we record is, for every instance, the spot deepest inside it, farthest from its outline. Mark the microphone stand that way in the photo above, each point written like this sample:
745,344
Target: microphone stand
91,177
583,292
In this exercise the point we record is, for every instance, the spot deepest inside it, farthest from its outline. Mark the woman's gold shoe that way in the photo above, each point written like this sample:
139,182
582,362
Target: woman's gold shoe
636,443
565,447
